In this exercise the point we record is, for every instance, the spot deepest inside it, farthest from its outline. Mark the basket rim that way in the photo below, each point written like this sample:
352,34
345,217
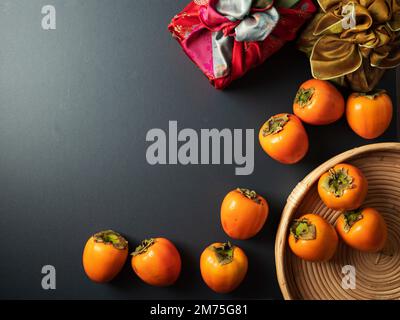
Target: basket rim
301,190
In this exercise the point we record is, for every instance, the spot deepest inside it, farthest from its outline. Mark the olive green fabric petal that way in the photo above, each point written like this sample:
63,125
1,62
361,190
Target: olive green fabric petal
340,81
366,39
365,51
394,22
365,78
386,57
332,57
380,11
328,4
356,57
329,23
384,35
378,56
365,3
307,39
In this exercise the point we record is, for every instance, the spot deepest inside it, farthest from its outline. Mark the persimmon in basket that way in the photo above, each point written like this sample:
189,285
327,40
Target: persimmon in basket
363,229
312,238
343,187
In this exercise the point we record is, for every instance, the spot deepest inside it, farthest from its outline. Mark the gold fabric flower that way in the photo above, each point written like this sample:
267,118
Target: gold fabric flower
354,55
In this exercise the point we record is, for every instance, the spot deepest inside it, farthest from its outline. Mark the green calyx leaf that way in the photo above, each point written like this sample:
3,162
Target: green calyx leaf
303,229
338,182
224,252
250,194
275,124
111,237
143,247
350,218
304,96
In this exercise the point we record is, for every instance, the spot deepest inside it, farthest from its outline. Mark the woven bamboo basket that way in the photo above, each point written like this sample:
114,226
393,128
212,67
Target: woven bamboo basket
377,274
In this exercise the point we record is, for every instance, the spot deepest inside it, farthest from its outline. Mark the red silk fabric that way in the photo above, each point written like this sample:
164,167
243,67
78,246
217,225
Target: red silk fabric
188,27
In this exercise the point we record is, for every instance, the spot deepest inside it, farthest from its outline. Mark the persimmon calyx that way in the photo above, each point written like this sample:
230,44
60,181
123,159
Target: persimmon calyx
249,194
338,181
371,95
143,247
303,229
304,96
224,252
275,124
350,218
111,237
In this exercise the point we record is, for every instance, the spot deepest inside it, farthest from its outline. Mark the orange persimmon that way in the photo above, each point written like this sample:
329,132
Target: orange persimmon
363,229
157,262
104,255
369,115
243,213
284,138
223,266
318,102
343,187
312,238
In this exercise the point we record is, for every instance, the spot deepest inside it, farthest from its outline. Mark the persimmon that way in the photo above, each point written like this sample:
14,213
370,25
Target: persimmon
223,266
318,102
369,115
343,187
284,138
243,213
363,229
312,238
157,262
104,255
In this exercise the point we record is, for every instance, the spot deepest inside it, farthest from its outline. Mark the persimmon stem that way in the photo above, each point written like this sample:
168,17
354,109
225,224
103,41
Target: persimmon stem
338,181
250,194
143,247
275,124
111,237
224,252
350,218
303,230
304,96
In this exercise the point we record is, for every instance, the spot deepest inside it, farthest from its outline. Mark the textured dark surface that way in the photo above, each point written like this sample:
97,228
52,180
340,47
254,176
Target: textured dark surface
76,104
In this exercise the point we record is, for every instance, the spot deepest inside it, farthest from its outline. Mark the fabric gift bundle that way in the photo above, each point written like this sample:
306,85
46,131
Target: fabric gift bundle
226,38
353,55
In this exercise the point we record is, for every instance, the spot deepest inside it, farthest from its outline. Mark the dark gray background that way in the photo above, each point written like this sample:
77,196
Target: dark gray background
76,104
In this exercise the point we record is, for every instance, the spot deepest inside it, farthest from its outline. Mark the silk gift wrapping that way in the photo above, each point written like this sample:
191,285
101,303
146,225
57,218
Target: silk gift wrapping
226,38
354,56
